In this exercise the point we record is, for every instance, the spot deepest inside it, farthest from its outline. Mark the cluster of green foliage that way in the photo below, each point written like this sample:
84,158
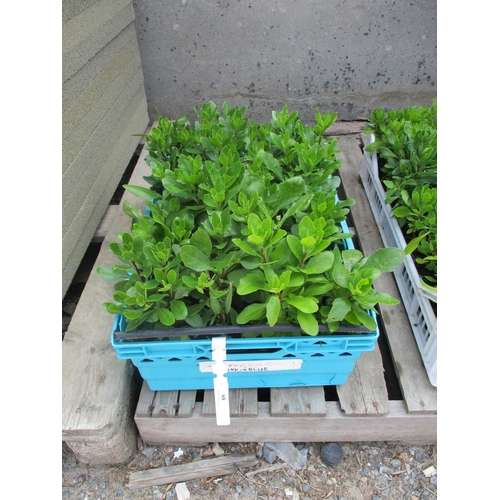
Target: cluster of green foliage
406,142
242,226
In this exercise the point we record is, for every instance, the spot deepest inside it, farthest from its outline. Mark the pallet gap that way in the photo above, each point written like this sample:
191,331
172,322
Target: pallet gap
78,283
394,391
331,393
263,395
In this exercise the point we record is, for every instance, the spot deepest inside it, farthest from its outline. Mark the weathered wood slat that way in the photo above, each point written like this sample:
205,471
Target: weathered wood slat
242,402
419,394
186,403
145,404
165,404
298,402
365,392
96,385
105,224
219,466
397,426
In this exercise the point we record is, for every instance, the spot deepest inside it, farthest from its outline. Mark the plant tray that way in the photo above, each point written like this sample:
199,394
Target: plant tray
252,362
415,297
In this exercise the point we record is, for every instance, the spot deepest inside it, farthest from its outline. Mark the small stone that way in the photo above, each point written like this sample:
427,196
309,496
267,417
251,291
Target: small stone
94,482
306,488
207,452
386,470
289,454
268,454
331,454
148,452
395,462
239,489
218,451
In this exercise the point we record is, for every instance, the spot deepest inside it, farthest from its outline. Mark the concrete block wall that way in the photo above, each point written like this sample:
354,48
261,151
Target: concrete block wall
348,56
104,105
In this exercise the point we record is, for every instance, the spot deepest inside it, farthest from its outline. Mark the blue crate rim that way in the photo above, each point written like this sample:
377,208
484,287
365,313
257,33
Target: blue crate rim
343,335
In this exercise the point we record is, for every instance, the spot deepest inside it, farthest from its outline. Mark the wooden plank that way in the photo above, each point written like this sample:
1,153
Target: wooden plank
242,403
345,128
219,466
105,224
145,404
397,426
186,403
365,392
419,394
95,383
298,402
165,404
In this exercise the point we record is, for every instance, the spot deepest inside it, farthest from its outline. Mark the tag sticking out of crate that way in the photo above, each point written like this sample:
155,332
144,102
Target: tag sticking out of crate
221,387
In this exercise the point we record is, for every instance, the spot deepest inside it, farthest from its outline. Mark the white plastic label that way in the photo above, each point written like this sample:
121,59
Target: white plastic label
255,366
221,387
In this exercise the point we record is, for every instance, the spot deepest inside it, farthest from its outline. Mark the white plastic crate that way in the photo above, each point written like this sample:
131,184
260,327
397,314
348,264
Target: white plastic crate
415,297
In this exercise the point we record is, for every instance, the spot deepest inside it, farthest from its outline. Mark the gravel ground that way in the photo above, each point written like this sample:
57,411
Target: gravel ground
368,470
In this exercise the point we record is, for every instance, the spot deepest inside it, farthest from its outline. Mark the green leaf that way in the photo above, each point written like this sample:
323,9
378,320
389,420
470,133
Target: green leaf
179,309
132,211
308,242
251,283
295,246
142,192
251,313
252,183
340,307
320,263
133,314
308,323
351,258
373,297
413,244
341,276
166,317
318,289
273,309
110,274
202,241
304,304
243,245
386,259
195,259
364,318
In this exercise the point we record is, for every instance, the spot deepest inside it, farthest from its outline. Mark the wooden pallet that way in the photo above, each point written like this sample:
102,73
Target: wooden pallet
101,401
363,411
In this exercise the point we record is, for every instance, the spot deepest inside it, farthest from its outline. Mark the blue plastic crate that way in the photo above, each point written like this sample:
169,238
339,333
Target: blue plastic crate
177,364
184,364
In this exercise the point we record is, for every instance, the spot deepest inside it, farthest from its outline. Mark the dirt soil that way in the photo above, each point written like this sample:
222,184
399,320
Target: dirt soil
372,471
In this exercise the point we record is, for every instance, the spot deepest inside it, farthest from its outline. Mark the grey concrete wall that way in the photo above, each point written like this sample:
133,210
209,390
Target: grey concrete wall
104,104
348,56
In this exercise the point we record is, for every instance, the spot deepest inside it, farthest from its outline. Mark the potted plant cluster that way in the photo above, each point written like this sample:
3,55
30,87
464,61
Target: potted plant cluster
244,236
399,174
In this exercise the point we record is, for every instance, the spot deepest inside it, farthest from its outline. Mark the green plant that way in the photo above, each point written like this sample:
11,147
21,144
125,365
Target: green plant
418,215
242,226
406,142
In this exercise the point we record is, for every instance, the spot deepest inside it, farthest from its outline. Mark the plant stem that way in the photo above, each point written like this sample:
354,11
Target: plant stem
142,278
